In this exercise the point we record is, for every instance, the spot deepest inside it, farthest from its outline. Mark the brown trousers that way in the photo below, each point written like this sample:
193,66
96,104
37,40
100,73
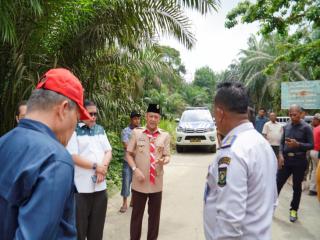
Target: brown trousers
154,207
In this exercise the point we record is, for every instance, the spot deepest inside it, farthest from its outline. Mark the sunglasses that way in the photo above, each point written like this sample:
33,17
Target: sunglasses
93,114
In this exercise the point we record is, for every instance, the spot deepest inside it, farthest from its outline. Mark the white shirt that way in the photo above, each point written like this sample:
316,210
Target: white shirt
241,188
91,144
273,132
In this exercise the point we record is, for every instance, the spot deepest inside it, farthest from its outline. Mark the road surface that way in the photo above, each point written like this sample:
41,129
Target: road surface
181,214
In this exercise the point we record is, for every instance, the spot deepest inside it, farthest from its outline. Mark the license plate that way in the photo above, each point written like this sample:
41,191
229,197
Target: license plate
195,140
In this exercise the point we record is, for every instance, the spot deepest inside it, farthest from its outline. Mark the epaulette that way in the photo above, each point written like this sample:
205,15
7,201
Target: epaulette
227,142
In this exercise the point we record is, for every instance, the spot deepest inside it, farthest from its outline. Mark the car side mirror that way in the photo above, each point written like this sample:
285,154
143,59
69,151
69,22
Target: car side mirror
177,120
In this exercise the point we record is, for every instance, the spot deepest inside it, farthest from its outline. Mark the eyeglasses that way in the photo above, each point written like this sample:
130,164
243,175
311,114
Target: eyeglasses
93,114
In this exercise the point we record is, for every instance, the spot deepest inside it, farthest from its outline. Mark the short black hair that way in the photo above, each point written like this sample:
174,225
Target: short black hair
232,95
22,103
89,103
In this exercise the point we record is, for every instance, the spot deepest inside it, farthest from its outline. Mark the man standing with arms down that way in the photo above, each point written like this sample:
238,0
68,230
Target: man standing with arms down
91,152
272,131
148,150
261,119
126,170
36,174
296,140
241,184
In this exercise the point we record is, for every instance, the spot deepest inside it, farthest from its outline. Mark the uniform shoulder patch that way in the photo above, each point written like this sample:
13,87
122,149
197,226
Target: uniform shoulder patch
228,141
224,160
223,164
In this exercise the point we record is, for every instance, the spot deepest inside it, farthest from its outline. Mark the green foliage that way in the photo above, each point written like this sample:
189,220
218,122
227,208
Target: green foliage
206,79
282,16
257,70
195,96
114,176
108,44
169,126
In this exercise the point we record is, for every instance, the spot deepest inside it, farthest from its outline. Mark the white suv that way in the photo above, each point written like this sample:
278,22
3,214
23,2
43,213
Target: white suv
196,128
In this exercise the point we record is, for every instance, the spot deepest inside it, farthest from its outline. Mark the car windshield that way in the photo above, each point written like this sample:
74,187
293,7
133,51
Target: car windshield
196,116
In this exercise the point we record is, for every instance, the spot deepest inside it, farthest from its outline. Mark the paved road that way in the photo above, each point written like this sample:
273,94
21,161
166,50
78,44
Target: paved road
181,216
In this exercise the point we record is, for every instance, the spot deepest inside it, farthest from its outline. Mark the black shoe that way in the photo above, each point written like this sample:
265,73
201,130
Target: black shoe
293,215
312,193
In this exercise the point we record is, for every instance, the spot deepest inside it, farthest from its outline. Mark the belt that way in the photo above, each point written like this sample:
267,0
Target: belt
291,154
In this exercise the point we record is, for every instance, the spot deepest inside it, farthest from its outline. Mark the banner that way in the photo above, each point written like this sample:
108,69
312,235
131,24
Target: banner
304,93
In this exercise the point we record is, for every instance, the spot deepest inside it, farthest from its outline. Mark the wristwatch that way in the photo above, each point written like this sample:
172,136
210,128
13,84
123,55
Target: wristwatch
94,166
134,168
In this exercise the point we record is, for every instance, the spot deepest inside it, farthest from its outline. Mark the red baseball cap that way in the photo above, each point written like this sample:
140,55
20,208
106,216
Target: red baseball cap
62,81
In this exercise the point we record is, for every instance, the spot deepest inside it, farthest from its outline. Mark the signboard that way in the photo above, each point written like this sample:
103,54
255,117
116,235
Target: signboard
304,93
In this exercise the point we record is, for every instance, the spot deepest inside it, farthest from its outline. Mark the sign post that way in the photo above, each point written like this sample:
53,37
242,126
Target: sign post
304,93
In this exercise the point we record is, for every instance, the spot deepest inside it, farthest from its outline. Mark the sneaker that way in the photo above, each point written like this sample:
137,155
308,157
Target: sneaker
312,193
293,215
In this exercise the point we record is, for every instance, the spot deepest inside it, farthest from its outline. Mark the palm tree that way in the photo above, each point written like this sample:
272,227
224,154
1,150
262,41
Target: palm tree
257,68
102,41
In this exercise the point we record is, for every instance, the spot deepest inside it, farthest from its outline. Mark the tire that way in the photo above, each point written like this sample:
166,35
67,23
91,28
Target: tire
213,149
179,149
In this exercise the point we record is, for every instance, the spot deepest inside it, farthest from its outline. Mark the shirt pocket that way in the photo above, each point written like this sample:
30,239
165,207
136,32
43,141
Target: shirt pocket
141,146
159,149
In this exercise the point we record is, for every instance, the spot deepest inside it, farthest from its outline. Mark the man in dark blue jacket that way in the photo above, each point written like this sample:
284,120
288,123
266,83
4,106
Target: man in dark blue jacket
36,174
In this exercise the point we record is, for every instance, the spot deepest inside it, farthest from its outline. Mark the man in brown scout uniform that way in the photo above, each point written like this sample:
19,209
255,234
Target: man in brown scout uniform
148,150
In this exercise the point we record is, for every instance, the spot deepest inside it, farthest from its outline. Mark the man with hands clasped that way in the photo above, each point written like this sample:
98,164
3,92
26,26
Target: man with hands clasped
147,152
91,153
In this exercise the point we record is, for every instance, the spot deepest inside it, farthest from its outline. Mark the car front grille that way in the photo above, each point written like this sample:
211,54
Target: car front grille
198,130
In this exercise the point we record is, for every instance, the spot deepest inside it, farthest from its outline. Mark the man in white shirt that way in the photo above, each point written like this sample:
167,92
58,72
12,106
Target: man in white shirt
273,131
241,187
91,153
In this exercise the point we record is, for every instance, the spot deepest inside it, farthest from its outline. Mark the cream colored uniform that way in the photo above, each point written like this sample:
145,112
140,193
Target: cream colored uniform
241,188
139,145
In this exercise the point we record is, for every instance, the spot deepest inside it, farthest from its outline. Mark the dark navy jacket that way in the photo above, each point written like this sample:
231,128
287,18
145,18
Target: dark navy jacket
36,185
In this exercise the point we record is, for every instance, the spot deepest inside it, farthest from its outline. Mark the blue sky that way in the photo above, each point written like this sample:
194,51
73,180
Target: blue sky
216,45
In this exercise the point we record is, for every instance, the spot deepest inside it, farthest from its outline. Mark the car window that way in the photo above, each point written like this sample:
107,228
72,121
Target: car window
196,116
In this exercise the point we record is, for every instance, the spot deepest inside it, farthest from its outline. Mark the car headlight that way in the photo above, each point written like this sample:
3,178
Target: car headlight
179,129
210,129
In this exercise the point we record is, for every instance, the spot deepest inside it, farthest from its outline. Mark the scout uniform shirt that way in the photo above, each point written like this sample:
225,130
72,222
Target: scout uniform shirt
241,187
139,145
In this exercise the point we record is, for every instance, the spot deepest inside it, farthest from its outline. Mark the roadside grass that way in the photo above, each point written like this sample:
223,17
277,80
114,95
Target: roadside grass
170,127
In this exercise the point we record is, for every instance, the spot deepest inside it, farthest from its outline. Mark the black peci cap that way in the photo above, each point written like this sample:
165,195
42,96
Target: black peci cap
134,114
155,108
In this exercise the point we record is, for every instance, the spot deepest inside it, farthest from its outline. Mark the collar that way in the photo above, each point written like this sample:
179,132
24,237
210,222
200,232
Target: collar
37,126
231,136
131,126
148,132
82,125
299,123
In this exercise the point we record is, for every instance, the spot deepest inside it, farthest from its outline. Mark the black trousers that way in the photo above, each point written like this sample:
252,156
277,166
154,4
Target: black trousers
297,170
275,150
90,214
154,208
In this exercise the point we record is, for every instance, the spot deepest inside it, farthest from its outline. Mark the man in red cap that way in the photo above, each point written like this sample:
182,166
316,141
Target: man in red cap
36,175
